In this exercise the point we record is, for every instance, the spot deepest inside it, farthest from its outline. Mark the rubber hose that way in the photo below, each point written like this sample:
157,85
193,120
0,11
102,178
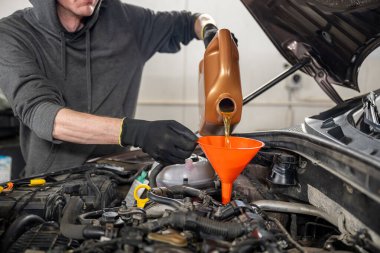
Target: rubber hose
166,201
153,175
194,222
76,231
185,191
230,230
68,227
207,185
93,232
118,178
125,174
84,218
18,227
181,190
188,191
95,189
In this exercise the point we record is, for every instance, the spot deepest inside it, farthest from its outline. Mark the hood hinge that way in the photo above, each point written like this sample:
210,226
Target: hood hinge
314,69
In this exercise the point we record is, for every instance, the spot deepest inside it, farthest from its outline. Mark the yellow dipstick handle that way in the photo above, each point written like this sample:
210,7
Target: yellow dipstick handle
37,182
141,202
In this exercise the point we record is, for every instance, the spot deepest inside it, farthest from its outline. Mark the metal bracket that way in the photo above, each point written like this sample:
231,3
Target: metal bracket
314,69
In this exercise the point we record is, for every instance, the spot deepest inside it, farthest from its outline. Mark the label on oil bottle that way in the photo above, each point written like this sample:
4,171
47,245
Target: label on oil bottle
5,168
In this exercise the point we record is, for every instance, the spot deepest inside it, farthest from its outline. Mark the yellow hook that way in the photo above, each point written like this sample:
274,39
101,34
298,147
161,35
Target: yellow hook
141,202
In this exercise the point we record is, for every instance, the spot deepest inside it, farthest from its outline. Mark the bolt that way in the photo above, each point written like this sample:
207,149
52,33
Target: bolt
296,78
349,188
302,164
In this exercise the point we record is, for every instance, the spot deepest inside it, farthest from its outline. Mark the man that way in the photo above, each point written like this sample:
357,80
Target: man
71,71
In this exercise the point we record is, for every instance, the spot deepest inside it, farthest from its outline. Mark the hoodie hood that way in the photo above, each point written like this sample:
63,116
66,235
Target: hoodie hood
45,12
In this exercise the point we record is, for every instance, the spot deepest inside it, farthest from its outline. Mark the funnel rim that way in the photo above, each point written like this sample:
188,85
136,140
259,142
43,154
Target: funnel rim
262,144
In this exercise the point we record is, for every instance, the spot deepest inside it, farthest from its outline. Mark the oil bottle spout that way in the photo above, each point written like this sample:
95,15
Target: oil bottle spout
226,105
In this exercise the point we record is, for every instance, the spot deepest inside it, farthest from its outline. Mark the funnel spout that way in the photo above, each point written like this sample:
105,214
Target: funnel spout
226,192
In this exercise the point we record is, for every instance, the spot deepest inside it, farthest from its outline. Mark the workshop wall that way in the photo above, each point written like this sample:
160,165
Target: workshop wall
170,81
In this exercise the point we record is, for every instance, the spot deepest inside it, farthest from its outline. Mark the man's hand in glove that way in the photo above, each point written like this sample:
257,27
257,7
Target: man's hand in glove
167,141
208,33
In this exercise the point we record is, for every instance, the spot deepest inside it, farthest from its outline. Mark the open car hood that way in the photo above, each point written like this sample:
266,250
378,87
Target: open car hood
335,35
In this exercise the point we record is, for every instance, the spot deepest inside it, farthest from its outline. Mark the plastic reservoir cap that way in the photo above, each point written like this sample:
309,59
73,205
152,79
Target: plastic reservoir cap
142,176
229,162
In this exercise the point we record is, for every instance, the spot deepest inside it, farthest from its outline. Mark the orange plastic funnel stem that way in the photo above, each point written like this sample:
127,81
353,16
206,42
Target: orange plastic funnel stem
226,192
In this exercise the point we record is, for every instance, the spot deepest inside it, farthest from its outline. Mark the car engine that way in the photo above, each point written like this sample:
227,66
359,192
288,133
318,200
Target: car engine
87,209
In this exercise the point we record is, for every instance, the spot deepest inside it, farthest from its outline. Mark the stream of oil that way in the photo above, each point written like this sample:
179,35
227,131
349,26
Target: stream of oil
227,128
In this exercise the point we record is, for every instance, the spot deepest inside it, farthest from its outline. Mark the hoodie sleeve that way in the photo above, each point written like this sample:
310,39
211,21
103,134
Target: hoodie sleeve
34,100
161,31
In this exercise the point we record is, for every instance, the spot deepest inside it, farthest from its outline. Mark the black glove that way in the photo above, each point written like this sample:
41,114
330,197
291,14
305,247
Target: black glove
167,141
209,32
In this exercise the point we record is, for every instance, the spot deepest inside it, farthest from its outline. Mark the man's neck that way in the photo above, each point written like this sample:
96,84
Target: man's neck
69,20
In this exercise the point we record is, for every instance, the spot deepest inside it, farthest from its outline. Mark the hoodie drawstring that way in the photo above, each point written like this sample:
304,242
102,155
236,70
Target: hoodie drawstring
88,66
63,55
88,70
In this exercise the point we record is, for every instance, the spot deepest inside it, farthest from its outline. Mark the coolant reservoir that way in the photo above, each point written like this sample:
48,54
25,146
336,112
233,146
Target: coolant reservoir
219,84
196,172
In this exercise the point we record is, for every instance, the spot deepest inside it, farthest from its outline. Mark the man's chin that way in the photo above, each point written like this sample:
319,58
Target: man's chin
85,11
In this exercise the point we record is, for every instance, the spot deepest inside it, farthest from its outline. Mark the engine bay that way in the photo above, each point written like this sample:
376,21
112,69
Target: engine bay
89,209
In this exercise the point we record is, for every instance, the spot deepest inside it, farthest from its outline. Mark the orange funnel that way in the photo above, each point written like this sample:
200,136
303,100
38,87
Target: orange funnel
229,162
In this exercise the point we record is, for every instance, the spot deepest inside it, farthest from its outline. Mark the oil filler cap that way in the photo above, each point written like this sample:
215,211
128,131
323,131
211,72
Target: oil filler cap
284,170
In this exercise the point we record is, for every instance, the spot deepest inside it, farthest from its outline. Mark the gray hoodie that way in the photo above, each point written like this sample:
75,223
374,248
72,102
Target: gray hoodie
97,70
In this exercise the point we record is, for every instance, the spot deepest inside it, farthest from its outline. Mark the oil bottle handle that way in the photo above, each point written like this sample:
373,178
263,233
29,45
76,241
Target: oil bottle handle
225,52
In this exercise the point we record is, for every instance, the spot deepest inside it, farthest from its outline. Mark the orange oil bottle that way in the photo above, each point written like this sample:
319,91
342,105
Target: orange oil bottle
219,85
